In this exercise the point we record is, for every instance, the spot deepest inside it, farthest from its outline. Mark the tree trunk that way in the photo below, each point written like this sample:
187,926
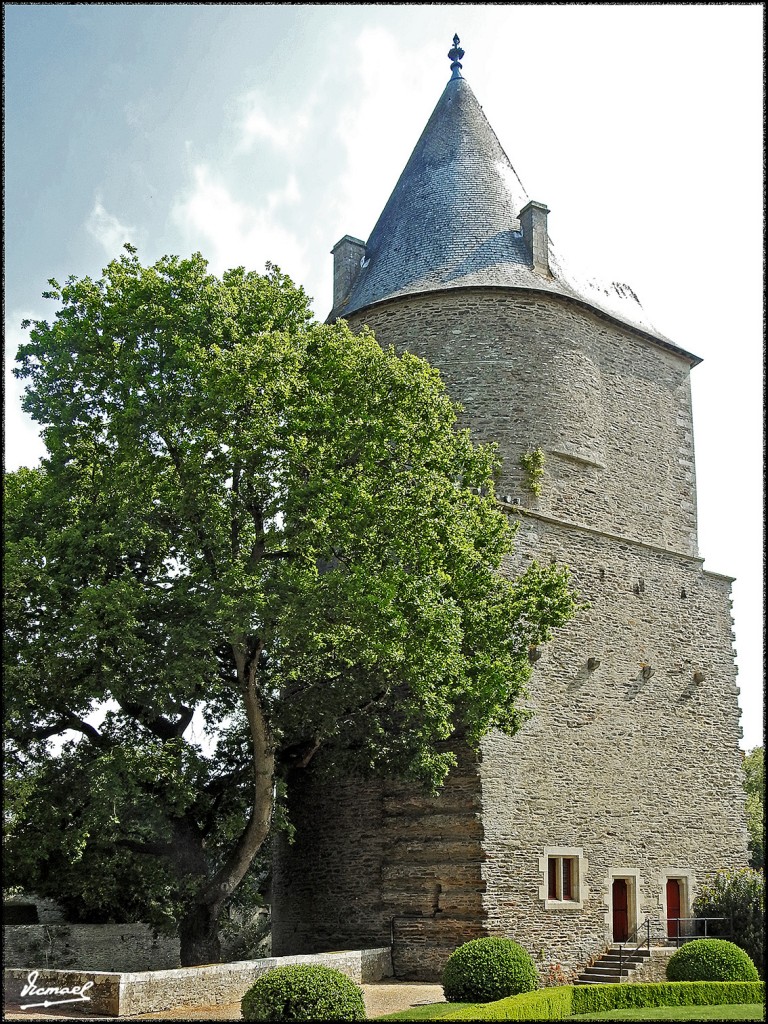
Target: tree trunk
198,929
199,936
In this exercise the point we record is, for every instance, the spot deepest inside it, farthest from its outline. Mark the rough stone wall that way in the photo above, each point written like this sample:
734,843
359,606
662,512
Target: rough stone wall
326,885
641,774
88,947
632,765
655,968
610,409
132,993
376,860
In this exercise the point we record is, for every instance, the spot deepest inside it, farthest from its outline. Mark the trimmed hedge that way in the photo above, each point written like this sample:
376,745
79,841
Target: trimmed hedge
568,1000
303,992
711,960
543,1004
589,998
483,970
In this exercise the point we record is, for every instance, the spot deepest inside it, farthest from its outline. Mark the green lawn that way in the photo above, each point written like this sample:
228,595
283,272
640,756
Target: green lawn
433,1011
751,1011
739,1011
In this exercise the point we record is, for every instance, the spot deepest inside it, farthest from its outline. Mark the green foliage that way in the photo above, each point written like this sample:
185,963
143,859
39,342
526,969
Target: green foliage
711,960
742,1011
428,1011
543,1004
592,998
251,517
739,896
754,786
486,969
303,992
532,464
560,1003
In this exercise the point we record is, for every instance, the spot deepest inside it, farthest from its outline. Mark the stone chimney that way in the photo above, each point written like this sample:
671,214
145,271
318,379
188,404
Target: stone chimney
347,257
533,221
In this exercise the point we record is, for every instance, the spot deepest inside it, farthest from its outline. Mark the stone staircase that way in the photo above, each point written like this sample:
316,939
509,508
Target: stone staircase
605,971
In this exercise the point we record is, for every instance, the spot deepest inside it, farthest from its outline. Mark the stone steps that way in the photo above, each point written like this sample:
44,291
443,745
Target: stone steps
605,971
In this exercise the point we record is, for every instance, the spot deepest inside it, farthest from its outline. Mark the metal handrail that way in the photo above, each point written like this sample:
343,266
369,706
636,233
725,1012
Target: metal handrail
681,938
645,942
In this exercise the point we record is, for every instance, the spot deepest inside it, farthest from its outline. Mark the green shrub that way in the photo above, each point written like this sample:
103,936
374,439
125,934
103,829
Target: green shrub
486,969
559,1003
543,1004
599,998
303,992
711,960
740,897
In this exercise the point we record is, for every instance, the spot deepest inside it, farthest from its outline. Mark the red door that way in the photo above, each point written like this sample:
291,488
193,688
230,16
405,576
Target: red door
673,908
620,910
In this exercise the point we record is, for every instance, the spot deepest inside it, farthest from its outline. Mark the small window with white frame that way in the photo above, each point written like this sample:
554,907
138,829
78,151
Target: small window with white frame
563,869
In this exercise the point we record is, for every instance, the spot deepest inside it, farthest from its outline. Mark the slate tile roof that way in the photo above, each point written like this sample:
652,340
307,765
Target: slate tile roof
452,221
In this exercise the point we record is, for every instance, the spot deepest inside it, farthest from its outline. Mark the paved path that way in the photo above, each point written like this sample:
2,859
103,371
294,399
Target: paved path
381,998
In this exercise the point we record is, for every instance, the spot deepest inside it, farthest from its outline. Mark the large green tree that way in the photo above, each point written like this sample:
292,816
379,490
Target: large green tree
253,516
754,786
738,899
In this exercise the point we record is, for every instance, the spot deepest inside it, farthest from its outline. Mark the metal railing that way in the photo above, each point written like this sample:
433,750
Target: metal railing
646,941
688,928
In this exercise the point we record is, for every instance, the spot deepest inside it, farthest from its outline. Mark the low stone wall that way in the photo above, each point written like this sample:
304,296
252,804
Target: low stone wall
54,943
88,947
655,968
119,995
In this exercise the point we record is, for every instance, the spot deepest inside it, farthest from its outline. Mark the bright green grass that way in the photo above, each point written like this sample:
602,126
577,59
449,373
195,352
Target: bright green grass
739,1011
751,1011
434,1011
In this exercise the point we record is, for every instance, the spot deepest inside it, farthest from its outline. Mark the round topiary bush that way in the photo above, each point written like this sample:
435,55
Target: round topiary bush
711,960
486,969
303,992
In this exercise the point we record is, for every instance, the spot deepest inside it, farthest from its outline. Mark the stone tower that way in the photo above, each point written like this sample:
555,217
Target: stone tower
624,790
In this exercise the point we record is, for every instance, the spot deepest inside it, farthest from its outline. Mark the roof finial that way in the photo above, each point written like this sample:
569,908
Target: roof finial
455,55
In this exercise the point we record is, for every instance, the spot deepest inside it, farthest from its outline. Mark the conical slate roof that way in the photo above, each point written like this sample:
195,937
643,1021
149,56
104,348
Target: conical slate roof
452,218
452,221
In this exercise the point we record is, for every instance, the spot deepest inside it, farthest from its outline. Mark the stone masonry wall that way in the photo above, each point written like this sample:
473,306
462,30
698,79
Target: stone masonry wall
610,409
89,947
655,968
642,775
631,767
374,862
130,993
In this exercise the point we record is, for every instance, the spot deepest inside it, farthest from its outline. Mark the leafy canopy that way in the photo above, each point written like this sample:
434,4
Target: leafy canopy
754,786
264,520
739,897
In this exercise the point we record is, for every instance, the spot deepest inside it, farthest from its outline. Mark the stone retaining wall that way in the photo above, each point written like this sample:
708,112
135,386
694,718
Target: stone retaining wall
416,883
89,947
119,995
654,969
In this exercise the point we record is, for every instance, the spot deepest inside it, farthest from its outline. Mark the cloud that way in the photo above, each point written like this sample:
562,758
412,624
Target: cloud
378,126
283,133
108,231
231,232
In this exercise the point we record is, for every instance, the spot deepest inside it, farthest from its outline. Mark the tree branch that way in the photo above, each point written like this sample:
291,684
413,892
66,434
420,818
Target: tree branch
160,726
298,755
194,519
68,721
230,874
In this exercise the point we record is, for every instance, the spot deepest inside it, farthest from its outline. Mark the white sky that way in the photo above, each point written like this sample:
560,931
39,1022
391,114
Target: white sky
266,132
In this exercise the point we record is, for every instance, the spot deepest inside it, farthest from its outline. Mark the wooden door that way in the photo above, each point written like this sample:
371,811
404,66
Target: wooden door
620,910
673,908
